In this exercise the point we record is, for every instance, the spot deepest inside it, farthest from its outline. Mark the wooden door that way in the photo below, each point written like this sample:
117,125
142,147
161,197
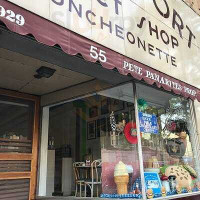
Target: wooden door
19,124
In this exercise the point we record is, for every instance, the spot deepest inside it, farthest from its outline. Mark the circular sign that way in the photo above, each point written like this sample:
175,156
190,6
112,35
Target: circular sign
130,132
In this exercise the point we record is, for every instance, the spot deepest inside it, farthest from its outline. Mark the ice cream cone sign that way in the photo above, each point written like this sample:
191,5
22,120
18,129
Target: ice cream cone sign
150,194
121,178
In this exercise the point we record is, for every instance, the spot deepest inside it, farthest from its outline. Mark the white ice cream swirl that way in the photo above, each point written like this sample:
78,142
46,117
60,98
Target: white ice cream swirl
120,169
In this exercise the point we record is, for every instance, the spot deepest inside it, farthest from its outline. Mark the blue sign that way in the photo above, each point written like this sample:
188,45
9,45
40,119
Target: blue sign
152,181
148,123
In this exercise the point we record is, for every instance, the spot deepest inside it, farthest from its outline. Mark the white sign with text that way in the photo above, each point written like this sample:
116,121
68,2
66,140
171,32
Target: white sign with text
162,34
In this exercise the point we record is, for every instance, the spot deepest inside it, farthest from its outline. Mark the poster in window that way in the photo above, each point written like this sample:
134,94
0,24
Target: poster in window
148,123
91,130
152,181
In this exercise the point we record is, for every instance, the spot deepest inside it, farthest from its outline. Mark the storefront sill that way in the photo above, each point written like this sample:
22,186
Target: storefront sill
178,196
75,198
98,198
66,198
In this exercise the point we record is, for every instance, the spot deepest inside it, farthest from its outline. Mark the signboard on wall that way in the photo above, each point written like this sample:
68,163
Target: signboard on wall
157,33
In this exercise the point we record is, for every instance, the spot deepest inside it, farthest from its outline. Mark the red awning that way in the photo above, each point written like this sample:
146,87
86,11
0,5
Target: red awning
51,34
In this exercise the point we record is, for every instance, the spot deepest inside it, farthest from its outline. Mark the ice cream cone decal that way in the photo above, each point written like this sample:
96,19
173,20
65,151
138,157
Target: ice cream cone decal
121,178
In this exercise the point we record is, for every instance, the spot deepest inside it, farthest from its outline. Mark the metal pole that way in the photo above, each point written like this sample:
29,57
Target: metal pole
43,153
194,138
139,143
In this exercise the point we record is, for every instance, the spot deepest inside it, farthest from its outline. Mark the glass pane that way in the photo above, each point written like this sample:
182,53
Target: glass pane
119,149
166,143
16,125
82,133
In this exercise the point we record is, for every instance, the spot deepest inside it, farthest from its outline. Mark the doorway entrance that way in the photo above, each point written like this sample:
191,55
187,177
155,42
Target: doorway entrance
19,116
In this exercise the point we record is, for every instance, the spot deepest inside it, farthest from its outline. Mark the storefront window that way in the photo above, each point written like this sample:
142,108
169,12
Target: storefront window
167,138
87,142
94,149
119,146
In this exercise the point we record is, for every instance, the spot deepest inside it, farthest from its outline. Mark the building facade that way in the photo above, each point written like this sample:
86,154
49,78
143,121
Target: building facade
114,82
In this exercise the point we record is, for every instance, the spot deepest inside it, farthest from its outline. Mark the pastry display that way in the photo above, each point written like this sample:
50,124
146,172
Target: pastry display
183,177
121,178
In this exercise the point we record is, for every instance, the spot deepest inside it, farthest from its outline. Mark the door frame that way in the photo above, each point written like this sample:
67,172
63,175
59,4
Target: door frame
33,157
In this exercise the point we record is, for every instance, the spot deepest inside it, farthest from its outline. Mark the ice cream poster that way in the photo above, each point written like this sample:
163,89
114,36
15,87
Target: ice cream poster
148,123
152,181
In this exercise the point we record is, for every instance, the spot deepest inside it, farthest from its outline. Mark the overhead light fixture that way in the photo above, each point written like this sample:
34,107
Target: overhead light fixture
45,72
